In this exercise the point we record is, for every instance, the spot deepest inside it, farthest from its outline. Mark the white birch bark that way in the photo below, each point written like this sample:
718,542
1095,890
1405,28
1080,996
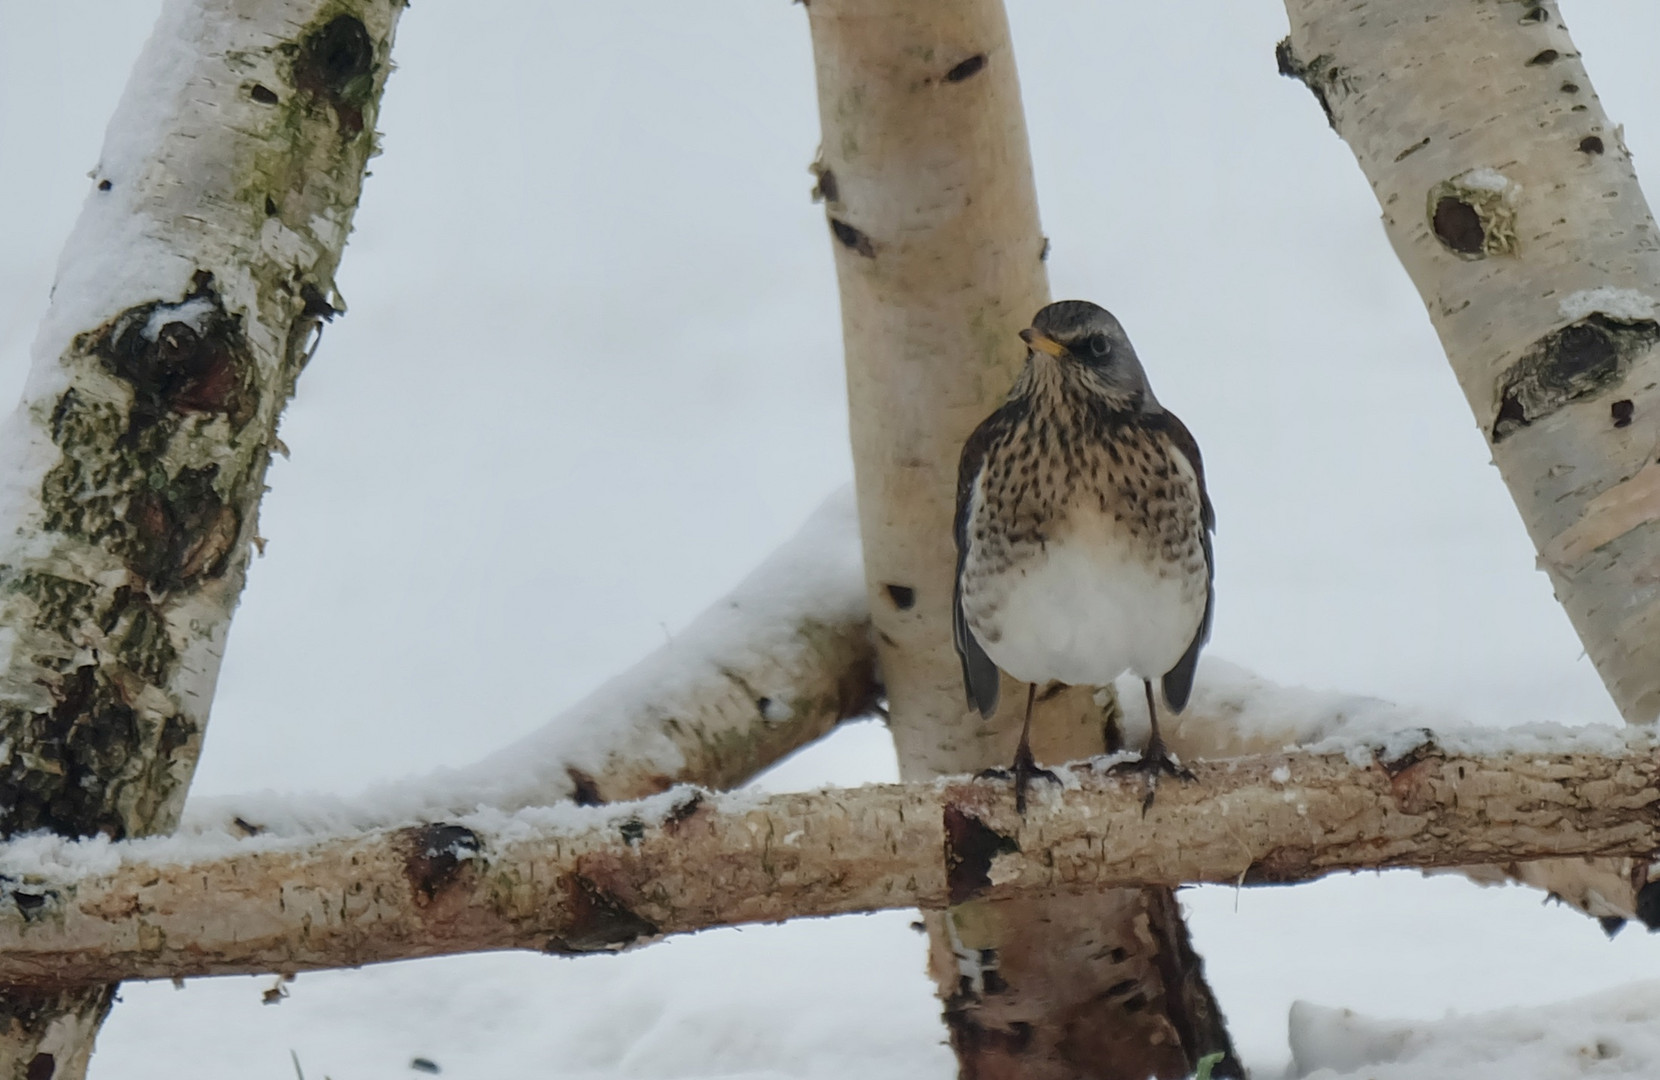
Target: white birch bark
1513,204
186,303
571,880
769,667
926,177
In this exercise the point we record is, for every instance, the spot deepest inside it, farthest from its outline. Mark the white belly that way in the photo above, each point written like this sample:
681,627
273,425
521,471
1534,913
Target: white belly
1084,614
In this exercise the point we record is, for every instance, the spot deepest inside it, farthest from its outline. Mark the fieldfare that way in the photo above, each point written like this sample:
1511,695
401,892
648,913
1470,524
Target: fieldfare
1083,531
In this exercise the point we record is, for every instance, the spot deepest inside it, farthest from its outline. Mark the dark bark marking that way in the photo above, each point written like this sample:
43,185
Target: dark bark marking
970,847
852,239
1570,88
1611,924
336,64
972,1040
104,185
584,789
1533,15
1566,365
1188,1003
436,855
1324,79
182,533
263,94
967,69
600,921
41,1067
1590,144
1648,905
683,810
90,734
1279,866
316,305
1413,149
1622,411
1458,226
1418,754
28,904
825,189
198,363
1544,58
903,596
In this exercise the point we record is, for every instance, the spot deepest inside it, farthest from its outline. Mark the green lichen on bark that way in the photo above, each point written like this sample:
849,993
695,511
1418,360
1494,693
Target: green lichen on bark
163,438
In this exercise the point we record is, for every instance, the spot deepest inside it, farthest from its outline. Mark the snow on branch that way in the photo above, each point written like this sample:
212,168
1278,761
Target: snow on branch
570,879
187,301
769,667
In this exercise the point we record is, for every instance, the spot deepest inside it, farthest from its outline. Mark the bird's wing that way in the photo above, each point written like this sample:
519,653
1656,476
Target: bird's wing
1178,681
980,675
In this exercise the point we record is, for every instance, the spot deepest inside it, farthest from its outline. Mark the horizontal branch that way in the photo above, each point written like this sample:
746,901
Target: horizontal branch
568,879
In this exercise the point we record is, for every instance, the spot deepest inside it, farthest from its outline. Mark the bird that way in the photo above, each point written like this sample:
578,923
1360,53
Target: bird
1083,531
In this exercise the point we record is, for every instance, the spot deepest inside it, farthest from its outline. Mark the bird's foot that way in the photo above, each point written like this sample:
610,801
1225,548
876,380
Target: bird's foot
1024,769
1155,761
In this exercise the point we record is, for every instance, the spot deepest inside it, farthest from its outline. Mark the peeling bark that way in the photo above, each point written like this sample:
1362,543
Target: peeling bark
188,300
1512,203
580,880
926,179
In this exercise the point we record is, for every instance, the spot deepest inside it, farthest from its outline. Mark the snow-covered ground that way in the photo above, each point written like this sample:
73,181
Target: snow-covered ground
591,376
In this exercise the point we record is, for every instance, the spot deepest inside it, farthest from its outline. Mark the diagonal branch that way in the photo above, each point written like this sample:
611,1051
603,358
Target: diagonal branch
573,880
769,667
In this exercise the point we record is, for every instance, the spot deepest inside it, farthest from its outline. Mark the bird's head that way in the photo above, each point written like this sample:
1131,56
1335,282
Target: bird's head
1094,352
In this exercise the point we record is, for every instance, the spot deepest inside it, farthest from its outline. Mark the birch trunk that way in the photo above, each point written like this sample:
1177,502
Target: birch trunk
1512,203
187,301
926,177
574,880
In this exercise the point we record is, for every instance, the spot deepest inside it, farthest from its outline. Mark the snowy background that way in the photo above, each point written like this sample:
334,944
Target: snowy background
487,512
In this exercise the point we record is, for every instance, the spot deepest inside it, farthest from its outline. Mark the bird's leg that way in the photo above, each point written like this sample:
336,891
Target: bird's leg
1156,758
1024,766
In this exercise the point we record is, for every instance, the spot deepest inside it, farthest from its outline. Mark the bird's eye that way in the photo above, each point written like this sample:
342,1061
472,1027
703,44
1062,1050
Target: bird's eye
1099,345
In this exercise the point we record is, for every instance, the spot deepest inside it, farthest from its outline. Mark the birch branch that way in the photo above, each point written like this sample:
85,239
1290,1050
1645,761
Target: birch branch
574,880
769,667
1512,203
187,301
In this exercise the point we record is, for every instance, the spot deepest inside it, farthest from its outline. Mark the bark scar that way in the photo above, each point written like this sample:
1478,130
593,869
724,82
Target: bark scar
1566,365
437,855
970,847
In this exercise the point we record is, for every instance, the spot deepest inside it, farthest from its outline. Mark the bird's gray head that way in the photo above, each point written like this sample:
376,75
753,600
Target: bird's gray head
1085,339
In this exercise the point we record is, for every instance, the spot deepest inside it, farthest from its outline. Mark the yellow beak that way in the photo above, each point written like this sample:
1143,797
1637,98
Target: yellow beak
1042,342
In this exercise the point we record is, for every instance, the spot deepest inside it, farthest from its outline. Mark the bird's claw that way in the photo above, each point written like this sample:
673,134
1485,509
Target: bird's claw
1153,762
1024,769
